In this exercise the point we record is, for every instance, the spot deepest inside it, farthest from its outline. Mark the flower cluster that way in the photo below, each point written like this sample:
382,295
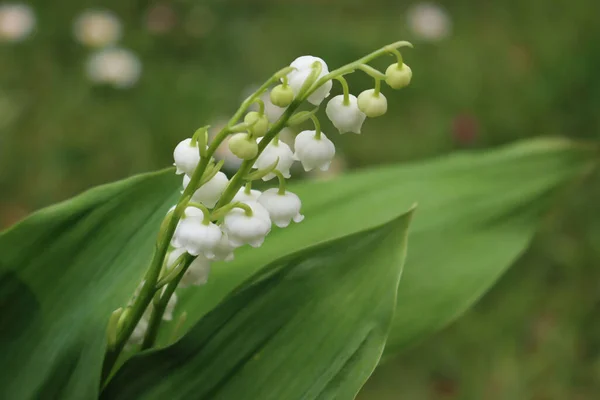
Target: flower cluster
217,214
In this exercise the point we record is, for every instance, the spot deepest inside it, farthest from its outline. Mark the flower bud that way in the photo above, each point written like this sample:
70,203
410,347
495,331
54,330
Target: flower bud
373,105
398,76
345,117
258,124
270,154
282,208
314,152
211,191
244,229
187,157
243,146
282,96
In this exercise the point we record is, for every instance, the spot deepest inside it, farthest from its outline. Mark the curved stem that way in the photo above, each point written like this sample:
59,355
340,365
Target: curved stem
317,124
396,53
377,87
281,179
344,83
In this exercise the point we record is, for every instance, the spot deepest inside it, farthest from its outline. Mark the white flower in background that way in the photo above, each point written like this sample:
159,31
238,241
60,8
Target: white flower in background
168,314
297,78
97,28
429,21
269,156
137,336
17,21
197,272
312,151
186,156
244,197
373,105
345,117
211,191
114,66
282,208
196,237
244,229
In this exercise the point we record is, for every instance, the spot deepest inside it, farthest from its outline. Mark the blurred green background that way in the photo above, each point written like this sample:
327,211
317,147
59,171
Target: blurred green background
485,73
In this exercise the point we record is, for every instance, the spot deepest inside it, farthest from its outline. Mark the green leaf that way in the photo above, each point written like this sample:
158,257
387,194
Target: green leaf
63,271
310,326
478,211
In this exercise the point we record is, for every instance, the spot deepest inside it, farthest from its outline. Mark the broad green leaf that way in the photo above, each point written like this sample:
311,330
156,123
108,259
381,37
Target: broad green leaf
61,272
477,214
65,268
310,326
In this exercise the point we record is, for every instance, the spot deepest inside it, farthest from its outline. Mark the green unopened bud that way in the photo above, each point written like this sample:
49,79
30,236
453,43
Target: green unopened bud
258,124
398,76
372,104
282,96
243,146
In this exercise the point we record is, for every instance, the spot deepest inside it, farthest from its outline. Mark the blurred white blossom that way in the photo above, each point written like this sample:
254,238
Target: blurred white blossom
429,21
17,21
97,28
114,66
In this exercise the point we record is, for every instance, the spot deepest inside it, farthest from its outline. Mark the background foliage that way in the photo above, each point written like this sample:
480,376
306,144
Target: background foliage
507,70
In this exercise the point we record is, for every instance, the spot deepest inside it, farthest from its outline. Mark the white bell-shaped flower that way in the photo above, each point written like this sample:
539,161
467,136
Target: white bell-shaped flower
244,197
303,69
224,249
282,208
209,193
244,229
197,273
345,117
137,336
269,156
188,212
187,157
314,152
198,237
170,308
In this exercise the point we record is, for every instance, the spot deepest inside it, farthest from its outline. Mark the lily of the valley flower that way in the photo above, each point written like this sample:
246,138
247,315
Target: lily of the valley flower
197,236
282,208
345,117
187,157
303,69
314,151
244,197
247,229
209,193
273,151
197,272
